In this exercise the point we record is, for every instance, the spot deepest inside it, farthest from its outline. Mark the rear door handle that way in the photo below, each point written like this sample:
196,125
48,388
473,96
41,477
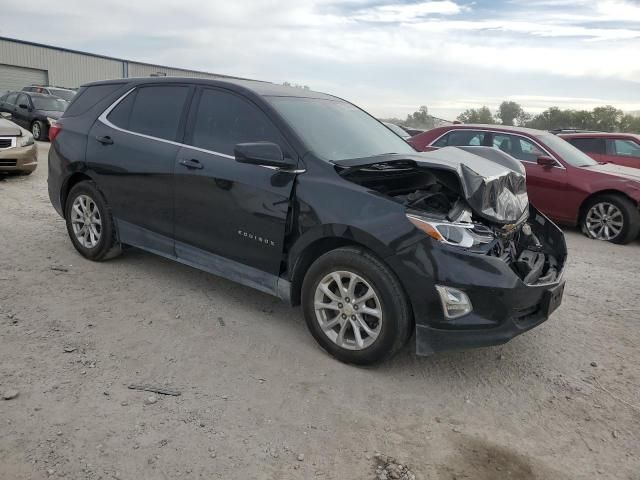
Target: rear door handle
192,164
106,140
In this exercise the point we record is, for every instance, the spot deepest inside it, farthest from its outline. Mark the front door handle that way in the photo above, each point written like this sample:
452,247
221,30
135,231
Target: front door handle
106,140
192,164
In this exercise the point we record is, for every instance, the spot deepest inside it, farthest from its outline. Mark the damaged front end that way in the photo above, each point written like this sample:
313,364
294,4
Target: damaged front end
471,198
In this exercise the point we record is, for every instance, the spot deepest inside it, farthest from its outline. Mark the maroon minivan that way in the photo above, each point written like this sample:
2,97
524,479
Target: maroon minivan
564,183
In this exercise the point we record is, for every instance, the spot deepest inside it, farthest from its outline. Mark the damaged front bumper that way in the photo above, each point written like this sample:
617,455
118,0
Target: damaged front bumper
503,304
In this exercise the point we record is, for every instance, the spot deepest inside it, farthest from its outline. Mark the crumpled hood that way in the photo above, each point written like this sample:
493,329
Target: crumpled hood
9,129
493,182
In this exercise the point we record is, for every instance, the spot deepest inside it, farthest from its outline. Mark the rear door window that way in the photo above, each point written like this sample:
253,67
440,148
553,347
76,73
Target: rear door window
154,110
23,100
626,148
223,120
589,145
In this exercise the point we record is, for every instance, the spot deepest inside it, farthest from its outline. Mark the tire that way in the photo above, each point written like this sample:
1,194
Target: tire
99,242
389,331
617,213
38,130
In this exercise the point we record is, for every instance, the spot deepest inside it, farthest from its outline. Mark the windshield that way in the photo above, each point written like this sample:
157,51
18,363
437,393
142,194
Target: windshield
336,130
49,103
64,94
567,152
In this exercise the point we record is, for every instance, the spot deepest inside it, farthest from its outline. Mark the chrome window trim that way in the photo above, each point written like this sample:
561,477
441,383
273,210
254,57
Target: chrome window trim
103,119
531,140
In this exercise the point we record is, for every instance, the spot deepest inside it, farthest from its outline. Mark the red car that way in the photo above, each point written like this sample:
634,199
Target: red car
562,182
618,148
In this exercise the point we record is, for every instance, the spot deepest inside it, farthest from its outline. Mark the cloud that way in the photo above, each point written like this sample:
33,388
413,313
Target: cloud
383,53
410,12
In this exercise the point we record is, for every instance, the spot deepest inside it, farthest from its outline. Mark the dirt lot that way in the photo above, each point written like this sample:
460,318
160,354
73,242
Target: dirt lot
261,400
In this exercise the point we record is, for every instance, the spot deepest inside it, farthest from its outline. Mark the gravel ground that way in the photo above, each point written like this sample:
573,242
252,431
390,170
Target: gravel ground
261,400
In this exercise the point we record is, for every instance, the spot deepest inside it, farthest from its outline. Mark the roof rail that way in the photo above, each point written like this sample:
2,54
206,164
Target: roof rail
556,131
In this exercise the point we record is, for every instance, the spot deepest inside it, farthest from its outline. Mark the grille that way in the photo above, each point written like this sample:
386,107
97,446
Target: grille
8,163
5,142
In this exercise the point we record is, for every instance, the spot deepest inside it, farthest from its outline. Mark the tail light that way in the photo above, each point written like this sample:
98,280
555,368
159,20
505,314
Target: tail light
54,130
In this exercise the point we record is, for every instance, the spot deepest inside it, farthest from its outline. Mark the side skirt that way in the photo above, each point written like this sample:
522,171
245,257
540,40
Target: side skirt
186,254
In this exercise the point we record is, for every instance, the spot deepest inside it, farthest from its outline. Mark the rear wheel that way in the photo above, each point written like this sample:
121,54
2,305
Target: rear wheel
612,218
355,306
90,224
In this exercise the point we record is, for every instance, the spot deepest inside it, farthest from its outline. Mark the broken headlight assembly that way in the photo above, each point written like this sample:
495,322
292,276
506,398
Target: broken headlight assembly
459,234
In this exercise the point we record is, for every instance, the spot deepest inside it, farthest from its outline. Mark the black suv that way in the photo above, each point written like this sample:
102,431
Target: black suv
305,196
34,111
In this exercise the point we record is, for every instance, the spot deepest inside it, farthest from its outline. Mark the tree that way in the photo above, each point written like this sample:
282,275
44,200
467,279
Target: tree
524,118
508,112
552,118
630,124
582,119
420,118
607,118
476,115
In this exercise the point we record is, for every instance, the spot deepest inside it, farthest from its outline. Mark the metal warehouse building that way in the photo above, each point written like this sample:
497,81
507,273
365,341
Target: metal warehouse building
25,63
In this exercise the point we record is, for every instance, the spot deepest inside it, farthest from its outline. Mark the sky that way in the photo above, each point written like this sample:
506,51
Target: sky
388,56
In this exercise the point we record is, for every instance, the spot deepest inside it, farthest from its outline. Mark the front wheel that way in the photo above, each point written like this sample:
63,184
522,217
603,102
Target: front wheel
612,218
355,307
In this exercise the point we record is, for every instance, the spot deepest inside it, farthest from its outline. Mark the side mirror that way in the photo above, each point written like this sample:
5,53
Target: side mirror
23,105
546,161
266,154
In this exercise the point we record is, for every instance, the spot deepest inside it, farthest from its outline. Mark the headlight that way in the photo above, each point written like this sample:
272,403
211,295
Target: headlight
25,140
464,235
52,121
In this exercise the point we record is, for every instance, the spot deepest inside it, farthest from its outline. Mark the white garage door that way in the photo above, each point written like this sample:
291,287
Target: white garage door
14,78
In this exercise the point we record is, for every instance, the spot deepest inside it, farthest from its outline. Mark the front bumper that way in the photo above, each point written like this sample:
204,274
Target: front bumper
503,305
19,159
529,310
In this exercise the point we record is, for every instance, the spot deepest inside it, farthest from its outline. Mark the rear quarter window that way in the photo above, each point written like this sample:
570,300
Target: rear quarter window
89,96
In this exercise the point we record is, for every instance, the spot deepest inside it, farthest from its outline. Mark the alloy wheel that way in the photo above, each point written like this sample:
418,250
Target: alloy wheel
348,310
35,130
604,221
86,221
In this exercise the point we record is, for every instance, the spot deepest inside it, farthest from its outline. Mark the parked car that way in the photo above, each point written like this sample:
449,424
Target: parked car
295,194
412,131
17,149
397,130
63,93
34,111
618,148
563,182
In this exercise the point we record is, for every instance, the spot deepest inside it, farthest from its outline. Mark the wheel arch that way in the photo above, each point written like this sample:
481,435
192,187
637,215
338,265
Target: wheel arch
313,245
73,180
583,206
